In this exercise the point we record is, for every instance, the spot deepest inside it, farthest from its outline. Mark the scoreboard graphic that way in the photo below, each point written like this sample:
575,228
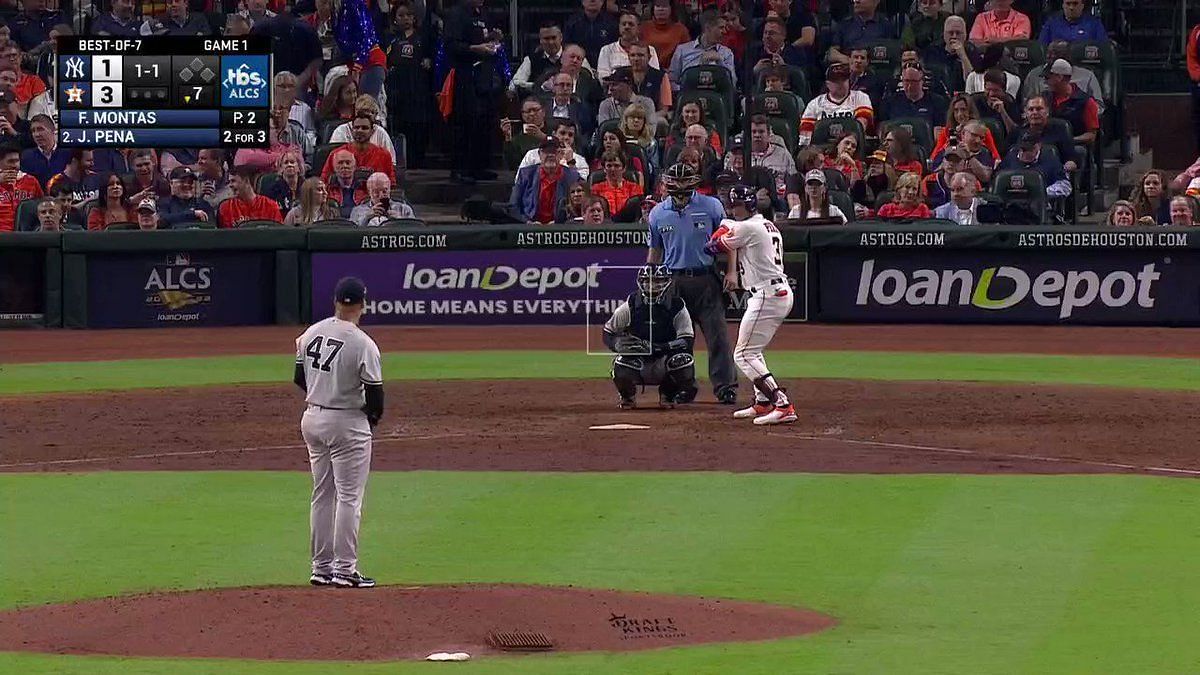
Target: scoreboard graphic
163,91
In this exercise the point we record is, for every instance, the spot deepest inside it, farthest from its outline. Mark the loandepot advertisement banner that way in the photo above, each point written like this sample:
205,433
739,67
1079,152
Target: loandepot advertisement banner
549,286
996,286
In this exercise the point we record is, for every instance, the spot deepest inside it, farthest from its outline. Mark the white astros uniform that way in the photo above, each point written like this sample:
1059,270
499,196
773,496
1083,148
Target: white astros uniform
338,360
759,249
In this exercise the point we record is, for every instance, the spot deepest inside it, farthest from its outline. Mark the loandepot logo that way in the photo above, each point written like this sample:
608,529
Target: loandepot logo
1068,291
500,277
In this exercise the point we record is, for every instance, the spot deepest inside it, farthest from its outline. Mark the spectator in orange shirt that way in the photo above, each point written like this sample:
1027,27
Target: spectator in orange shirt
245,204
112,207
367,155
1001,23
663,31
28,85
15,187
614,187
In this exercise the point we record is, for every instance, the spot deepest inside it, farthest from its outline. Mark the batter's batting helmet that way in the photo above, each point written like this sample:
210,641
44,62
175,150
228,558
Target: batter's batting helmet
745,196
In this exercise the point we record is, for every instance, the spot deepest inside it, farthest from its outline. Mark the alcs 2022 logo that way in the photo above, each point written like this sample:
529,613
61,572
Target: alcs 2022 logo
244,81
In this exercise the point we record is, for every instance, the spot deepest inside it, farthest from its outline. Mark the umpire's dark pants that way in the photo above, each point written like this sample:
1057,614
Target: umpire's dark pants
700,289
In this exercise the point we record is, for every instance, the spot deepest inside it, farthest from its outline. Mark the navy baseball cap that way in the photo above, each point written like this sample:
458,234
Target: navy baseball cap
350,291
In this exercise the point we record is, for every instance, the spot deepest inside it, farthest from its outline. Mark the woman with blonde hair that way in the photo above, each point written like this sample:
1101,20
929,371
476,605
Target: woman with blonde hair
313,205
1121,214
290,171
1149,197
907,203
379,135
635,125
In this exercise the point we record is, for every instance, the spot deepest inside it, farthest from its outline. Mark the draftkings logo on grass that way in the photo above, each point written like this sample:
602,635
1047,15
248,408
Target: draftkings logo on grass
636,628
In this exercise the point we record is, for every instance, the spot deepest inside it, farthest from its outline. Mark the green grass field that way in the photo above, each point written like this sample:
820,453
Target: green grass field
927,574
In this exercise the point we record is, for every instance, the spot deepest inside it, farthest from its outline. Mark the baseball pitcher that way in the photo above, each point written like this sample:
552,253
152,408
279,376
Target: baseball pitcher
755,250
337,366
651,333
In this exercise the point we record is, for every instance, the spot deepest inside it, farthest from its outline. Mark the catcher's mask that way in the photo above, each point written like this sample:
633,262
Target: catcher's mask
654,282
680,181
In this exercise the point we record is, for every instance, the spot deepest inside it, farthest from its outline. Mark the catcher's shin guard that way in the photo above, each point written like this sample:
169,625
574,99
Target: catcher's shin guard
680,382
627,375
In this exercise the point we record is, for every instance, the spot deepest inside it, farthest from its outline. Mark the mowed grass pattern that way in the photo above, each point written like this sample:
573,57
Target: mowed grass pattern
928,574
1110,371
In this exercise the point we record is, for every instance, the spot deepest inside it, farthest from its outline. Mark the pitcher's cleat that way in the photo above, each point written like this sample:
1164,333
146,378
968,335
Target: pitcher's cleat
626,404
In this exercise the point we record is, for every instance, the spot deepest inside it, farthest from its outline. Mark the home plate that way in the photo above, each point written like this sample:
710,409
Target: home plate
618,427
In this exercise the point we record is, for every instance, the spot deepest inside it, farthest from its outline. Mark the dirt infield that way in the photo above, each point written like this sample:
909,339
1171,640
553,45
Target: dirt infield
389,623
543,425
23,346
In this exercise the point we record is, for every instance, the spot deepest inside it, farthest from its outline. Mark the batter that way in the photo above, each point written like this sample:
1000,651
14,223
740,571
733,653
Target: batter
755,249
337,366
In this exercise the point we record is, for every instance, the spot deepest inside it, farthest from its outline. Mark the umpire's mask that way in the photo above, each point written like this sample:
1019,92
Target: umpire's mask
654,282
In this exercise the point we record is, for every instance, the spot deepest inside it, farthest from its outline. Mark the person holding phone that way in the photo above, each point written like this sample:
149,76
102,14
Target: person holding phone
379,206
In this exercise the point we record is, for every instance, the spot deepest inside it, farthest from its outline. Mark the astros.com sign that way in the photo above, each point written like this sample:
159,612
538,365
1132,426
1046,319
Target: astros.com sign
498,278
1001,287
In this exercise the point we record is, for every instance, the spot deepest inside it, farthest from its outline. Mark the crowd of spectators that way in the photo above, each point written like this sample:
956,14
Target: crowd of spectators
848,116
910,116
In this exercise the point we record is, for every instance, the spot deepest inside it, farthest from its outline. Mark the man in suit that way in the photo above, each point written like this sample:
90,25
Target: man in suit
539,189
565,105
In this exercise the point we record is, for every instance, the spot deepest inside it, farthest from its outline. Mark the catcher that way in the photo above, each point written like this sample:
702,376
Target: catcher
651,333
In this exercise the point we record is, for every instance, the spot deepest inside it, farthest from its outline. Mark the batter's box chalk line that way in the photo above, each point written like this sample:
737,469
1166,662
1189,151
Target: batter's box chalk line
984,454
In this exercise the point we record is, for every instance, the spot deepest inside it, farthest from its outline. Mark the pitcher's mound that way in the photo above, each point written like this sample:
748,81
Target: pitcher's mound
389,622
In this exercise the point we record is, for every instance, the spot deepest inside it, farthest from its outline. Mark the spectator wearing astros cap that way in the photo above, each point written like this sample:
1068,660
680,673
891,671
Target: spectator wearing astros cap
838,101
814,200
147,214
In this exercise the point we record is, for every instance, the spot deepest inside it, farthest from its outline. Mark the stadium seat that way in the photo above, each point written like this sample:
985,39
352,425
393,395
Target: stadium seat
782,105
787,131
883,198
999,133
713,105
1023,187
917,127
266,181
116,227
884,55
339,222
251,224
836,180
1027,54
325,131
322,154
1101,59
830,129
710,78
404,222
842,200
194,225
797,83
27,220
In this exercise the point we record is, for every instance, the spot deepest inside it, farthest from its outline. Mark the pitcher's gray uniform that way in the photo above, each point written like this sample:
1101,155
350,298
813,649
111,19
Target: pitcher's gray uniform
339,362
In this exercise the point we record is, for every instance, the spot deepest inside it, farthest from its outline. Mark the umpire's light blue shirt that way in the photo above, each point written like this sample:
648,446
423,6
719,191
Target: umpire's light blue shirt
682,234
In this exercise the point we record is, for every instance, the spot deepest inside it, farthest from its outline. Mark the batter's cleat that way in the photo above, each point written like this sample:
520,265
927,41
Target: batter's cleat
626,404
354,580
727,396
319,579
784,415
757,410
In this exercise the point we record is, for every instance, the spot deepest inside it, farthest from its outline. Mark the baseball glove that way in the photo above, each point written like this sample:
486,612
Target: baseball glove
630,344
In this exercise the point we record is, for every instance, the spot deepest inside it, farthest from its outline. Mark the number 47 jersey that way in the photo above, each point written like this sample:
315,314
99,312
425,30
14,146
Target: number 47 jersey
338,359
760,249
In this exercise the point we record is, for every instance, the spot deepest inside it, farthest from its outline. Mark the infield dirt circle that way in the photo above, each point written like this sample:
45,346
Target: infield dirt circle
543,425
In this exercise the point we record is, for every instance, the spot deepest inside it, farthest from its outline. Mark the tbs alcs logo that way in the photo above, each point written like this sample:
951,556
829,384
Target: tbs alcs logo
244,83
